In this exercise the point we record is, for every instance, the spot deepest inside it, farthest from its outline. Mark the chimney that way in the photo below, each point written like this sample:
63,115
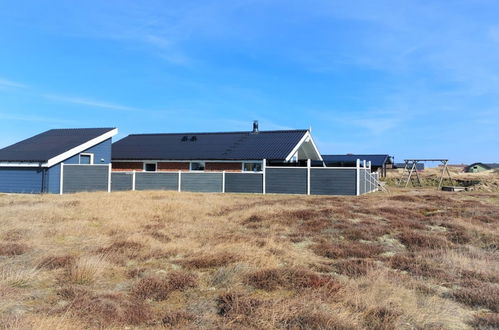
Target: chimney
255,126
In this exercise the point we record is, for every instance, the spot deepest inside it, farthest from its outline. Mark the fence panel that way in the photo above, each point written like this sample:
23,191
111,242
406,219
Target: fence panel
286,180
156,181
325,181
201,182
121,181
78,178
244,182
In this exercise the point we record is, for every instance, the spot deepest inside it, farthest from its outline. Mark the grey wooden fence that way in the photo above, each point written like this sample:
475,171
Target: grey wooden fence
274,180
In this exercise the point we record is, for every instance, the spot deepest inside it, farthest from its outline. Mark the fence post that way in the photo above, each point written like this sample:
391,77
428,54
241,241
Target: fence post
264,170
309,164
365,177
179,181
357,186
61,179
109,169
223,181
133,180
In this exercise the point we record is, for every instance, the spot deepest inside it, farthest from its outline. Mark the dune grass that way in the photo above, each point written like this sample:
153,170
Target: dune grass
421,259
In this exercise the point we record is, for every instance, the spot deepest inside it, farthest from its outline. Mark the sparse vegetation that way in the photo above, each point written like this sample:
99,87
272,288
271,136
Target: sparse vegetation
421,259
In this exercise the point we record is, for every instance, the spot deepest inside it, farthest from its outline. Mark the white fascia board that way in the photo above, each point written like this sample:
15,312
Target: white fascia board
22,164
80,148
306,137
315,147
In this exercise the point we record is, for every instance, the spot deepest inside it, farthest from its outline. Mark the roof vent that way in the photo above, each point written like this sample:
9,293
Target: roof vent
193,138
255,126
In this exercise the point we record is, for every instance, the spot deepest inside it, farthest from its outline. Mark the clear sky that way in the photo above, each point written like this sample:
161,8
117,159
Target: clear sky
409,78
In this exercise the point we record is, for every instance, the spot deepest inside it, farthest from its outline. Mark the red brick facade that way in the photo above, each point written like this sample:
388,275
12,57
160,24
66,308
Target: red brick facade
127,166
228,167
172,166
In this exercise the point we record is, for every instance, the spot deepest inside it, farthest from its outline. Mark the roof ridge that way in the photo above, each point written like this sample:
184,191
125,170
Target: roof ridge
208,133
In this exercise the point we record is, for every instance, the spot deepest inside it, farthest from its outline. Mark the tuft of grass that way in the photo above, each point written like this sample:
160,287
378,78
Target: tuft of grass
86,269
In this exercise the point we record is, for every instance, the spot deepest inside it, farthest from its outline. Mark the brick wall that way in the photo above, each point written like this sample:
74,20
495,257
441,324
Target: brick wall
127,166
173,166
229,167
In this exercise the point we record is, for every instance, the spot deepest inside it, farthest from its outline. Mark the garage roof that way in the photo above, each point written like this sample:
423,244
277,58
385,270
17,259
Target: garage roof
48,145
208,146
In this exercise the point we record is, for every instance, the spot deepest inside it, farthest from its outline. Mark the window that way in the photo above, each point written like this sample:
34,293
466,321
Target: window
150,167
86,159
252,167
197,166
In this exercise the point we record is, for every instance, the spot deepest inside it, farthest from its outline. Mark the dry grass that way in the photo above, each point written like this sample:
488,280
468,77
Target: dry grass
421,259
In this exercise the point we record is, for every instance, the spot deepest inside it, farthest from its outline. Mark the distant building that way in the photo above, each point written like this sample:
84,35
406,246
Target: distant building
480,167
419,166
379,163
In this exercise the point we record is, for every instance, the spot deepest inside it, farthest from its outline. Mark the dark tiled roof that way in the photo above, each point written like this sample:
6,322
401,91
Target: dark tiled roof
376,160
49,144
208,146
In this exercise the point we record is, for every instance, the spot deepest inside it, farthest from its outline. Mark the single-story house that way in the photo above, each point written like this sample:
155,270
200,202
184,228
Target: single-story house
379,163
34,165
222,151
480,167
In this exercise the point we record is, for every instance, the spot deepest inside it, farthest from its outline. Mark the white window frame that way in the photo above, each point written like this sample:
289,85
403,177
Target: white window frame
86,154
261,166
150,163
190,166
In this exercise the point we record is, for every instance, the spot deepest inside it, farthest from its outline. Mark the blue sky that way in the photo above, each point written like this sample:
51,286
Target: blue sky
409,78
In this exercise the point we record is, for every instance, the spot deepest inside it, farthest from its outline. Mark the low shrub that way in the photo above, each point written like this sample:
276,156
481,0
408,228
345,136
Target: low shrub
158,288
381,317
480,295
414,240
290,278
347,250
176,318
55,262
485,321
101,310
354,267
12,249
210,261
233,304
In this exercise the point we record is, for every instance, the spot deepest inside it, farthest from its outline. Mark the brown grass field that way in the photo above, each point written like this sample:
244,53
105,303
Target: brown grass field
409,259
